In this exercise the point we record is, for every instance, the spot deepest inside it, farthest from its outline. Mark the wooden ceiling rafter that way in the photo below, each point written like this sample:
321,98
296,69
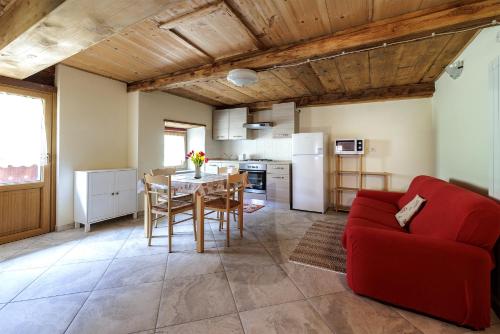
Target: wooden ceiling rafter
397,28
369,95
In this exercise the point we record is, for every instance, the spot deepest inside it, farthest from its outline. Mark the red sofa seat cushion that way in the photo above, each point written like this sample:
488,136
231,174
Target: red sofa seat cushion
453,213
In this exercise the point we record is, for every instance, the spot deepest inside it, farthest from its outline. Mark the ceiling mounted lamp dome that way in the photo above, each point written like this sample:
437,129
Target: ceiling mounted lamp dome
242,77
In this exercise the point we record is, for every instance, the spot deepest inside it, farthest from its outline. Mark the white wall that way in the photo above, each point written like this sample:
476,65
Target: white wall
462,115
92,130
398,133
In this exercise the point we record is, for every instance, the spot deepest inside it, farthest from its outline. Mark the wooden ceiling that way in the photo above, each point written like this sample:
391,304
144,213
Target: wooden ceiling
194,34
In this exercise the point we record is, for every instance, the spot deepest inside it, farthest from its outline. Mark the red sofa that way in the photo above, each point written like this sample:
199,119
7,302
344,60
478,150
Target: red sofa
440,266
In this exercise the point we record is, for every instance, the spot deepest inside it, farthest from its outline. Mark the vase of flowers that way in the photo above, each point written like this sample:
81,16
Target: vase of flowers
198,159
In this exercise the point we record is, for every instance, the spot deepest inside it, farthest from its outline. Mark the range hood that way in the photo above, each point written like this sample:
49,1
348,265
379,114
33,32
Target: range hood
258,126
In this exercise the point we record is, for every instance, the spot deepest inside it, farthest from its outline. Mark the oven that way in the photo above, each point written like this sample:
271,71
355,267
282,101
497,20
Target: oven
256,177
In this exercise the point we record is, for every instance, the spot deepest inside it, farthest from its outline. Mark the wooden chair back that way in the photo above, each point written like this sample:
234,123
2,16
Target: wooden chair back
236,183
221,170
163,171
164,181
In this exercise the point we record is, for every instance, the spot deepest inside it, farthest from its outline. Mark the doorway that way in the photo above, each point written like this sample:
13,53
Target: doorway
25,163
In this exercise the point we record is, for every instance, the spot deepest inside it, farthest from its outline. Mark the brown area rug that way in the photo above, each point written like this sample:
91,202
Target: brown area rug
321,247
252,207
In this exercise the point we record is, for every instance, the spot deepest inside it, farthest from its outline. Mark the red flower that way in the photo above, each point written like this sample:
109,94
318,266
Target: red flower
206,160
202,154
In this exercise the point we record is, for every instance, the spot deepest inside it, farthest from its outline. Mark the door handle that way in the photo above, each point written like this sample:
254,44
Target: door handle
112,194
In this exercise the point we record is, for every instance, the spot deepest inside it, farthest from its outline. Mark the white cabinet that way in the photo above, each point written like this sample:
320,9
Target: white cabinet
212,166
220,124
228,124
278,183
285,120
238,117
104,194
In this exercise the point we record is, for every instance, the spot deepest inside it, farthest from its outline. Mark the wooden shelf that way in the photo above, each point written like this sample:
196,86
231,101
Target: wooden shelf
376,173
346,189
361,178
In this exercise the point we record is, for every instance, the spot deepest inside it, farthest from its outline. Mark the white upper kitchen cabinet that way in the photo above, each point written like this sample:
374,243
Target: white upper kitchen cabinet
285,120
228,124
220,124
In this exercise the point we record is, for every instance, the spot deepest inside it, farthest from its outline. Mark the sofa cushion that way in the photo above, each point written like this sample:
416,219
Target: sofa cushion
417,187
361,222
376,204
377,216
454,213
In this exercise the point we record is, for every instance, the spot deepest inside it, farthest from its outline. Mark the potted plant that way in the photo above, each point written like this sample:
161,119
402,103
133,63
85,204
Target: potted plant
198,158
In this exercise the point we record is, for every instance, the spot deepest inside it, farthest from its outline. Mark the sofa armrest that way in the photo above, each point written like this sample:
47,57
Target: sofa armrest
445,278
384,196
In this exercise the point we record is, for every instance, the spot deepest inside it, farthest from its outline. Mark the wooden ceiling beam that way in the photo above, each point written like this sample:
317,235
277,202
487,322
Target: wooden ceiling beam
367,95
417,23
35,35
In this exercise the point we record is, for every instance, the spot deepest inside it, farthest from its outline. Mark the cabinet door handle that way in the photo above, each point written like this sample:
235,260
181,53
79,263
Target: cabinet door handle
112,194
118,193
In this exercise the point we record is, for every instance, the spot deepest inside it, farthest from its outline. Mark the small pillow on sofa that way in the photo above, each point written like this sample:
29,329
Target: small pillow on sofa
409,210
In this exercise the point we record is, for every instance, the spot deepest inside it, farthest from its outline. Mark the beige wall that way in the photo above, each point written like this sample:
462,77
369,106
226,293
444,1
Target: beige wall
462,115
152,109
398,133
92,130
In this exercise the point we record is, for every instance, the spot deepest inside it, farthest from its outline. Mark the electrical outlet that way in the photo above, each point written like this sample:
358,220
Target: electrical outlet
372,149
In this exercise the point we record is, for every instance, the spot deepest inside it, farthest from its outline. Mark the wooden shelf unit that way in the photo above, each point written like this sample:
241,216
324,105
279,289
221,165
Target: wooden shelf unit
360,173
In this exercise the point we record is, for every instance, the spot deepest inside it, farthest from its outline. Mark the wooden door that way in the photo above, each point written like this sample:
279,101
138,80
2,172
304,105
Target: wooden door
26,190
101,196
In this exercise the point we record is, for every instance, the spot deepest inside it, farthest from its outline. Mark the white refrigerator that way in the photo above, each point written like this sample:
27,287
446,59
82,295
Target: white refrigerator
309,172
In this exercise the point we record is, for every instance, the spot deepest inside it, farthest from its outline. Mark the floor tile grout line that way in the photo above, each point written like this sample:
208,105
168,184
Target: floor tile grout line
93,288
161,292
42,273
332,330
231,290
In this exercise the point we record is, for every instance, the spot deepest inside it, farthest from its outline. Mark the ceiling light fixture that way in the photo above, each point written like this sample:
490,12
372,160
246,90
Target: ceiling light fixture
242,77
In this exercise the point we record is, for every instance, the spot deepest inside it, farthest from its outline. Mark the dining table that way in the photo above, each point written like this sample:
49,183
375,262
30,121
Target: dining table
186,183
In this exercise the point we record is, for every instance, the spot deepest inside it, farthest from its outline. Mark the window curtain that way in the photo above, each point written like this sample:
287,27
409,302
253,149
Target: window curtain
23,139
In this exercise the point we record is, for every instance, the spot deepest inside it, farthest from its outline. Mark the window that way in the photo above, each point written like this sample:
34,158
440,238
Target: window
23,145
174,149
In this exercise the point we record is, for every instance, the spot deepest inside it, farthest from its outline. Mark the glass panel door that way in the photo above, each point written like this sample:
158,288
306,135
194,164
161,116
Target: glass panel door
23,139
26,194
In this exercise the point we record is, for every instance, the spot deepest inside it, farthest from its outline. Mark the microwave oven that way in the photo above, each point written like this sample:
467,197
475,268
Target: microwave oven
349,146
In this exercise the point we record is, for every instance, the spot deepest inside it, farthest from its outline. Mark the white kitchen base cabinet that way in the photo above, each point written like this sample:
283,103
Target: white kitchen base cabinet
104,194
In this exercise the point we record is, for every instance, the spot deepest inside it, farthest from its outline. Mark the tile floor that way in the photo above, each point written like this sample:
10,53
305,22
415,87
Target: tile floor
109,281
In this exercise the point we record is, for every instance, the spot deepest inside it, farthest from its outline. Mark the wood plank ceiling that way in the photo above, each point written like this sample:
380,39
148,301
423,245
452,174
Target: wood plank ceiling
232,28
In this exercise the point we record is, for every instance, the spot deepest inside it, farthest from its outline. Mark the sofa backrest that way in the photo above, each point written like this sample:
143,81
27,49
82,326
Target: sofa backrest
453,213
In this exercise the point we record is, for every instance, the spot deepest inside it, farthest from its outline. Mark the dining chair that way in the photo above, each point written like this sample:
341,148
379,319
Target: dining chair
235,184
162,184
176,195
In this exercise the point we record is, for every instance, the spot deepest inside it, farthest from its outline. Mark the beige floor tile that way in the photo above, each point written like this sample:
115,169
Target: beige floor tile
245,257
139,247
65,279
280,250
87,251
193,263
430,325
119,310
295,317
259,287
313,281
229,324
37,256
191,298
13,282
134,271
40,316
345,312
